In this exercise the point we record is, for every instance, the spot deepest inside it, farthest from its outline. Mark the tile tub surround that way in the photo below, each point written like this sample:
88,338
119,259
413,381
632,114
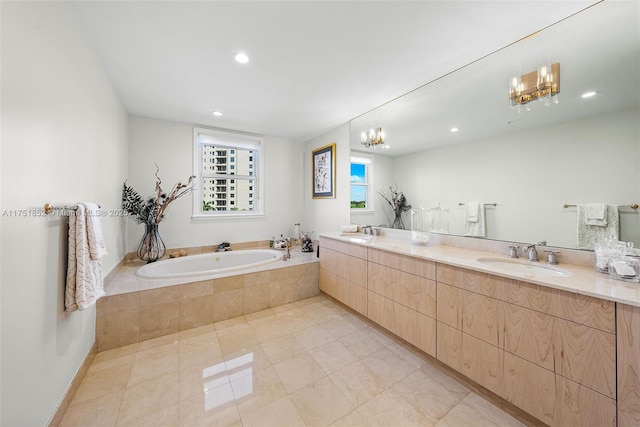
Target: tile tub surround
135,309
585,280
308,363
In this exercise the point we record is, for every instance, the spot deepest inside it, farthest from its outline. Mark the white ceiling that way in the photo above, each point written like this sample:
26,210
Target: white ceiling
314,65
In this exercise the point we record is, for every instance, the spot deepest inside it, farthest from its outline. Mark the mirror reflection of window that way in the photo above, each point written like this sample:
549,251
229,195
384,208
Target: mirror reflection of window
361,171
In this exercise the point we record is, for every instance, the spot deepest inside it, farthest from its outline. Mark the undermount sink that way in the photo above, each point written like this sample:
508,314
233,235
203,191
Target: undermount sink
359,237
524,267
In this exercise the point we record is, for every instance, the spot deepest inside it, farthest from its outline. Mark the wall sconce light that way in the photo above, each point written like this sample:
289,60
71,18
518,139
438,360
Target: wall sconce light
542,84
374,138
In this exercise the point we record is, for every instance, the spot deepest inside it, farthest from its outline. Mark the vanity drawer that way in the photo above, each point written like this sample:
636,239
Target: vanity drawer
412,291
350,268
348,293
413,327
577,308
581,353
343,247
417,266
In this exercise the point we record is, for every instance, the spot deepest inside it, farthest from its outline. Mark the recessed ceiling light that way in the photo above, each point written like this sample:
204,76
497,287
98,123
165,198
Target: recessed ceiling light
242,58
454,129
217,113
589,94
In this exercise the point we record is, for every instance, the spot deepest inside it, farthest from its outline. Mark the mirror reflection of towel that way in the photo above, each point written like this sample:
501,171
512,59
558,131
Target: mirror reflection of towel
596,214
473,211
471,227
590,235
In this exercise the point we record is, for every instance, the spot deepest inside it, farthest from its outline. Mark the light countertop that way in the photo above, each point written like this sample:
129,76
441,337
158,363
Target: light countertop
583,280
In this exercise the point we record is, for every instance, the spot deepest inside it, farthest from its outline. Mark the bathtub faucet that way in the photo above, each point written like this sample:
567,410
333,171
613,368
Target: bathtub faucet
283,245
287,245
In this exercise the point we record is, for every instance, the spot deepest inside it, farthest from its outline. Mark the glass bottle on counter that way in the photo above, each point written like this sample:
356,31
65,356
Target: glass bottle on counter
419,227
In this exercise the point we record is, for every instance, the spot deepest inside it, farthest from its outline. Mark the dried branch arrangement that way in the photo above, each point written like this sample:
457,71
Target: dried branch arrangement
152,210
399,205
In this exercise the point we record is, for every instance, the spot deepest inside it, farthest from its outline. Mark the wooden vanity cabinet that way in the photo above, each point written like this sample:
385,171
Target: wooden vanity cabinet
565,358
628,319
402,297
343,273
551,353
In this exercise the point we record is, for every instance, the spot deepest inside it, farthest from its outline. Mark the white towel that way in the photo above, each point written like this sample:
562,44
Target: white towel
349,229
84,275
473,211
590,235
477,227
97,247
596,214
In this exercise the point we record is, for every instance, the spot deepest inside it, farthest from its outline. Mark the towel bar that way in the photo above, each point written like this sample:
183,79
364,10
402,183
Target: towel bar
486,204
48,208
632,206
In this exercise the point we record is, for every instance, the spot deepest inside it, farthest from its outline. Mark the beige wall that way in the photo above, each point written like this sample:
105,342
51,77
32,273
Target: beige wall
64,140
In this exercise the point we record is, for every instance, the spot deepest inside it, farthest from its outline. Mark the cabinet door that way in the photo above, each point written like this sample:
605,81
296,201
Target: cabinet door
586,356
530,387
483,318
529,335
628,365
449,305
407,289
449,346
483,363
577,405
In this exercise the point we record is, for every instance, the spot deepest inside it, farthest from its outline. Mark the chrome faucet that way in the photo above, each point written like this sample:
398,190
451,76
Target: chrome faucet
366,229
552,258
513,251
287,245
283,245
532,252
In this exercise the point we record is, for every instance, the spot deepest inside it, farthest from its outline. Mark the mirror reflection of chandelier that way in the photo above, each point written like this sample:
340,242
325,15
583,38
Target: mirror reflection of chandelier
374,139
542,84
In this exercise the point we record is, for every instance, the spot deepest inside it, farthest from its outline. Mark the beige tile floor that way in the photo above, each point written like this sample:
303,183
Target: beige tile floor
309,363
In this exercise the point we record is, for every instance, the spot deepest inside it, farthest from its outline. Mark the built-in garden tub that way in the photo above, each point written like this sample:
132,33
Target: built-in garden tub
208,264
149,301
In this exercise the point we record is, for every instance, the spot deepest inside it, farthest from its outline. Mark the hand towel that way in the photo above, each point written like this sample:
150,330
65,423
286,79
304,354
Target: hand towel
84,275
621,268
596,214
349,229
590,235
473,211
477,227
97,247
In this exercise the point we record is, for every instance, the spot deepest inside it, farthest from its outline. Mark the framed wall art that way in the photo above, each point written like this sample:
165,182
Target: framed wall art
324,172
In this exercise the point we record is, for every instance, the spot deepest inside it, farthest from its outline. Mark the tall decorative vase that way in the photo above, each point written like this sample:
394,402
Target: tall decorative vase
151,247
397,221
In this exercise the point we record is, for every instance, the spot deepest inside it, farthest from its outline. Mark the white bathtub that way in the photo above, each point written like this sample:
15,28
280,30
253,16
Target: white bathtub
208,264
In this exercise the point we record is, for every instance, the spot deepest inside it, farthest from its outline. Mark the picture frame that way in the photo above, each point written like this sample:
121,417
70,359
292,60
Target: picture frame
323,166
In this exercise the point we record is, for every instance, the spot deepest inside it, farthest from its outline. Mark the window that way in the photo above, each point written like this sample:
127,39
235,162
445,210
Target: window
361,173
236,193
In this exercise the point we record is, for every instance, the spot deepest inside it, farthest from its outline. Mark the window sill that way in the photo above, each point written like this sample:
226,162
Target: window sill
223,216
362,212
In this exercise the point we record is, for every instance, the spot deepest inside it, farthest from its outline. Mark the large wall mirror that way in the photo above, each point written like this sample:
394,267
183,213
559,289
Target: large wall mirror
529,160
